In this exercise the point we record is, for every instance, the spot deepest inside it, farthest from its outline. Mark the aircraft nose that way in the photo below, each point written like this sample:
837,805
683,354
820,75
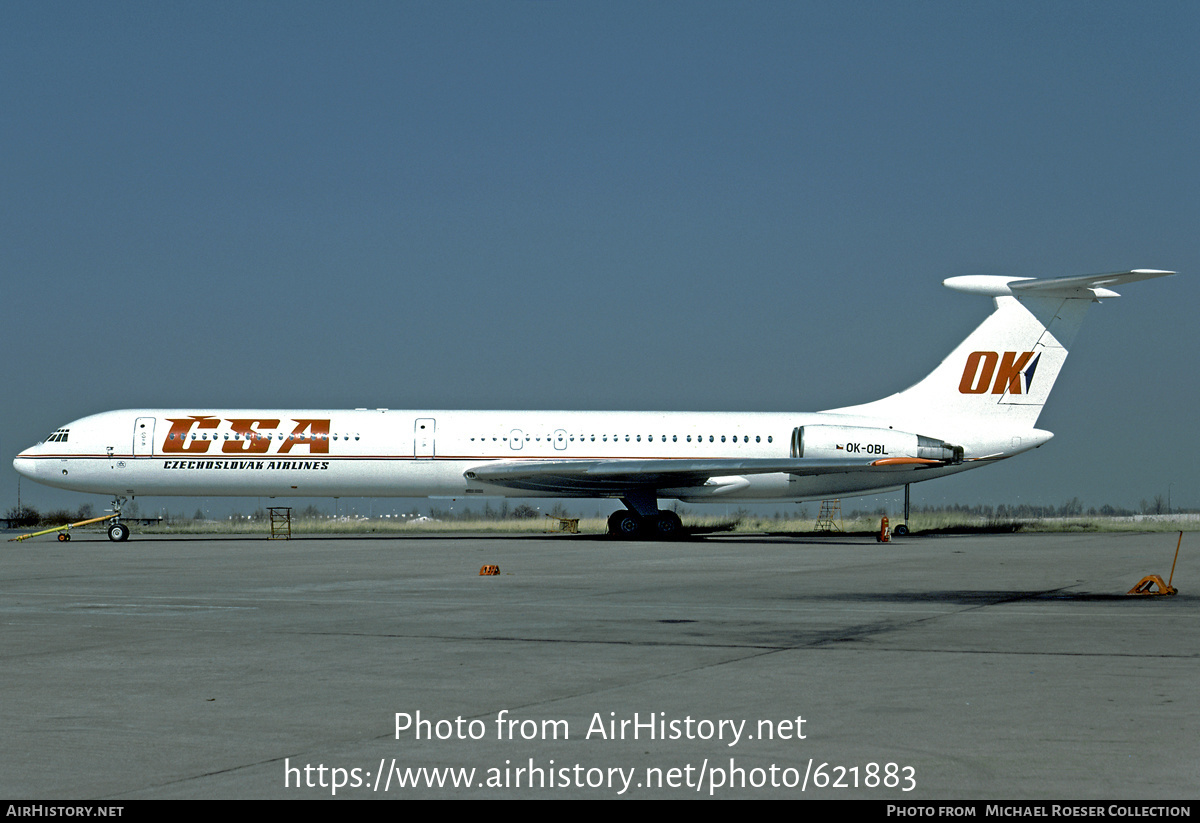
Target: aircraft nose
25,464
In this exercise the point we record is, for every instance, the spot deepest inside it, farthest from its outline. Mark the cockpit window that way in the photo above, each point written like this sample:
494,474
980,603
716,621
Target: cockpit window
59,436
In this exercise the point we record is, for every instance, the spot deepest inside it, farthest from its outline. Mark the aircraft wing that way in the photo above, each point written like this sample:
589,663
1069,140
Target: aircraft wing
612,476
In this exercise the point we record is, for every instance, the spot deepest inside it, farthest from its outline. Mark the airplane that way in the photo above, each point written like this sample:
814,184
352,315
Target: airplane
978,407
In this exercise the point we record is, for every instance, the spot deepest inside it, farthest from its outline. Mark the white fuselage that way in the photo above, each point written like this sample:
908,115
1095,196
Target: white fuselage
390,453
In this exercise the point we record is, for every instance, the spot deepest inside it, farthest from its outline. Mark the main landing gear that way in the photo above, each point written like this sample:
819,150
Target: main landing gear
629,525
642,520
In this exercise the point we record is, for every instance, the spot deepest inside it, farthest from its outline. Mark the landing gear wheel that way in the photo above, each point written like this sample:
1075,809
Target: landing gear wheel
669,526
625,524
118,532
63,537
900,530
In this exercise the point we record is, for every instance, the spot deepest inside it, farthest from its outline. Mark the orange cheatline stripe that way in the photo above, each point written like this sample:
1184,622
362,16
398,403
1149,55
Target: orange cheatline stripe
904,461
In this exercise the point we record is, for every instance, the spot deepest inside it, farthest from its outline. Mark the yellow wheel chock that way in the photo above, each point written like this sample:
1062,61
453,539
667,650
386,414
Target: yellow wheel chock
1152,585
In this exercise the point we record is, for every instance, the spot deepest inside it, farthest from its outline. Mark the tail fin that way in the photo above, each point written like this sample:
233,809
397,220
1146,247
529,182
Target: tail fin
1003,372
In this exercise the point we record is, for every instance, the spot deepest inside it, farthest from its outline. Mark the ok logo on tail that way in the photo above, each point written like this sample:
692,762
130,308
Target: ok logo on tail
1000,373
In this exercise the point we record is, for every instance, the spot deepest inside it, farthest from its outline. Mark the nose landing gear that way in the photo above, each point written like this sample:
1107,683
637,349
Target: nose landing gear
118,532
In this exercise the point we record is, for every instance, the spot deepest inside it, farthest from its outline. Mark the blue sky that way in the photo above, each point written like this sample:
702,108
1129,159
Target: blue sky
665,205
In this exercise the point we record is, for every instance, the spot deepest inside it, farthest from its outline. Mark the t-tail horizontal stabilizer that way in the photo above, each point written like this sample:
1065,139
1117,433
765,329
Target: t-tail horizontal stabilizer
1085,286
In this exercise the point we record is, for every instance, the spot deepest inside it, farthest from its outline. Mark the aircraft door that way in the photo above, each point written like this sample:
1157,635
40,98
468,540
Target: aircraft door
143,437
423,437
516,439
560,439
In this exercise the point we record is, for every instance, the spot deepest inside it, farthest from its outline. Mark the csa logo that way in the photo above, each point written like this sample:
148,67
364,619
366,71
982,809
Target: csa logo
309,434
989,370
